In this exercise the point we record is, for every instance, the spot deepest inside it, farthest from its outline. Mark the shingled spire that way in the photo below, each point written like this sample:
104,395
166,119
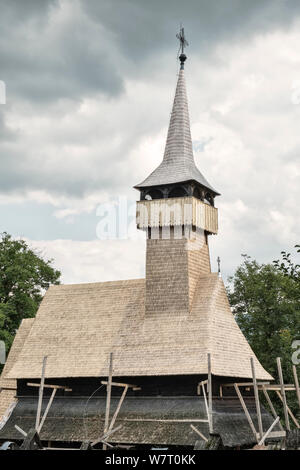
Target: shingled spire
178,165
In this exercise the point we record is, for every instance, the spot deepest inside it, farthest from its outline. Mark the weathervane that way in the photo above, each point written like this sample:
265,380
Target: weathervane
183,44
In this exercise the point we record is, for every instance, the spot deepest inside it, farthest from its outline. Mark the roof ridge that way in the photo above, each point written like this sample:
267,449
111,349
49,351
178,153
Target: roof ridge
85,284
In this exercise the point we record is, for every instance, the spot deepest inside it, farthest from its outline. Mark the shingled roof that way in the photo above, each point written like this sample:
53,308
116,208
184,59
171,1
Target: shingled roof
76,418
77,326
7,397
178,164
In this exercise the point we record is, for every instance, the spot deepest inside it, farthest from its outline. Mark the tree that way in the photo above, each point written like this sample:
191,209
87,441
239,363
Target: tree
265,299
287,267
24,277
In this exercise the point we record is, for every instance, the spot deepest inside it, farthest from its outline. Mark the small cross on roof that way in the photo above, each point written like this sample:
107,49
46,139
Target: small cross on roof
182,40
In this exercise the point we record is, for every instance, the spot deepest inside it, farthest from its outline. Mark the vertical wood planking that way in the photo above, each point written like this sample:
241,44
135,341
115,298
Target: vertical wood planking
177,211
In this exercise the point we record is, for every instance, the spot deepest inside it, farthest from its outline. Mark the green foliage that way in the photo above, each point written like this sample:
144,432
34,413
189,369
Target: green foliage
287,267
265,299
24,277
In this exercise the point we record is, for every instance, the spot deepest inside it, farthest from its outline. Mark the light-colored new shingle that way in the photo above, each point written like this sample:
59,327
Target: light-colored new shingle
178,163
77,326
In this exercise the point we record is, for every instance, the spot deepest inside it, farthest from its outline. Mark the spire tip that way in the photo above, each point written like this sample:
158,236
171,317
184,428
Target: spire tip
183,43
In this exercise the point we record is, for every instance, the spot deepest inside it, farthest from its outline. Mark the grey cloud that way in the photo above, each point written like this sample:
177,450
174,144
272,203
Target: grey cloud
42,165
42,61
52,59
91,52
6,134
18,11
144,28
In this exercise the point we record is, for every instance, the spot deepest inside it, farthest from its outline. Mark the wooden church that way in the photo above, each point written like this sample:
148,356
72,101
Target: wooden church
144,362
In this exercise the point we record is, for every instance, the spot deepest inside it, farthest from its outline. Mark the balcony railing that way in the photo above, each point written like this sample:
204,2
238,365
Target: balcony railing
177,211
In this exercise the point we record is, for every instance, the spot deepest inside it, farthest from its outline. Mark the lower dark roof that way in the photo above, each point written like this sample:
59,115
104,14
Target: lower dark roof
77,419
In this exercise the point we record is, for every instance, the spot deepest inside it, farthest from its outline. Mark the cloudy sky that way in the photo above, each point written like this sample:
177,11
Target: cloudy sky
89,89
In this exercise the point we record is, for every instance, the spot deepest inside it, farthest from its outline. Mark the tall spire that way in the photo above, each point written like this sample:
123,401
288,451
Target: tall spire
178,163
179,147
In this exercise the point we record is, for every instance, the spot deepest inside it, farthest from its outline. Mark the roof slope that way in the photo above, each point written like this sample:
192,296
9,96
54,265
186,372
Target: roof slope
7,396
73,419
77,326
178,164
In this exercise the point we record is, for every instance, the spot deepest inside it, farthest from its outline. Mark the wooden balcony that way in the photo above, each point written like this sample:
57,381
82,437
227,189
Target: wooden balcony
177,211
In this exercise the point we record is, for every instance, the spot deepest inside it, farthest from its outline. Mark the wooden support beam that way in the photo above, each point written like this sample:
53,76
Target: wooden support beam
246,410
241,384
118,408
261,442
86,445
267,396
200,385
257,403
8,388
274,387
286,415
41,391
61,448
167,420
260,385
244,384
276,435
119,384
107,444
199,433
205,401
288,410
105,436
57,387
296,383
47,409
108,395
31,441
20,430
209,389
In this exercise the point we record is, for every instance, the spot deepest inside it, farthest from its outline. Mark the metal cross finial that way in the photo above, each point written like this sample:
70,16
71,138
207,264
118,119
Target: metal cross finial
182,40
219,265
183,44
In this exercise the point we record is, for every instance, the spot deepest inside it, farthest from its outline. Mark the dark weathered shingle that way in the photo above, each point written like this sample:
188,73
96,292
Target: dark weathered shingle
76,419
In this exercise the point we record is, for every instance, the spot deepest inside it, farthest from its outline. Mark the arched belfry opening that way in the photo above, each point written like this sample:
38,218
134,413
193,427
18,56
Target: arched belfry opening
178,191
197,193
153,194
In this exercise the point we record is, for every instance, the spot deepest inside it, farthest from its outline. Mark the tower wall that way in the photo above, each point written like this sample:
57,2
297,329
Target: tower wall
173,267
198,261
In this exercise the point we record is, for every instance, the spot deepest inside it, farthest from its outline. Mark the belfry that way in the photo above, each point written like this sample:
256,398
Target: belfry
177,212
136,358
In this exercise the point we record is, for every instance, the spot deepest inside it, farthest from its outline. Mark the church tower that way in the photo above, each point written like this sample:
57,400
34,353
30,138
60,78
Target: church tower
170,334
176,209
